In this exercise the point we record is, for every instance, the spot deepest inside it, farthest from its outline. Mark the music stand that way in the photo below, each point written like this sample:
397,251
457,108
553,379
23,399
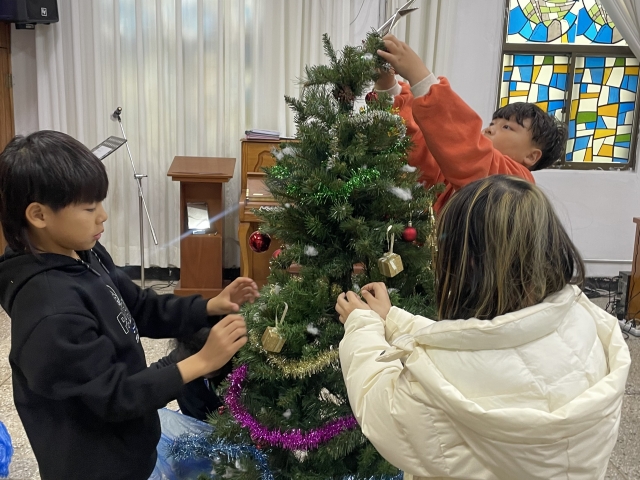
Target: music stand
107,147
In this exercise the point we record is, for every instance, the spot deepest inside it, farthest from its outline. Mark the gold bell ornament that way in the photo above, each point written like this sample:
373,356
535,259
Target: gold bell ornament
272,341
390,264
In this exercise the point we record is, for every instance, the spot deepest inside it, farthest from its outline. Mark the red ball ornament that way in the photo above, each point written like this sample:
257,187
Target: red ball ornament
276,253
259,242
221,409
372,96
409,234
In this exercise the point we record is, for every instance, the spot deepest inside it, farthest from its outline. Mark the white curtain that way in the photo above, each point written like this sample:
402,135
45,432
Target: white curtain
191,76
626,16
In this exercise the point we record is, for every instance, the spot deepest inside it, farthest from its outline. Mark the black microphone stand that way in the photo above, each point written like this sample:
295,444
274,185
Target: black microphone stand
142,204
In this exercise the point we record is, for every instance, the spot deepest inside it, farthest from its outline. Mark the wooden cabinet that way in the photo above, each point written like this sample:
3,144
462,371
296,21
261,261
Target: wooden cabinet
633,302
6,96
256,154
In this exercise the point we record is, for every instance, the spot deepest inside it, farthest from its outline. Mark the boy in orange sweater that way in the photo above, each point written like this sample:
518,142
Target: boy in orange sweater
450,145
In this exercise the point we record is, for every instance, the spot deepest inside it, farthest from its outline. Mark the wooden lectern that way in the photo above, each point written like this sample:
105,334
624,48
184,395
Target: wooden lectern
201,180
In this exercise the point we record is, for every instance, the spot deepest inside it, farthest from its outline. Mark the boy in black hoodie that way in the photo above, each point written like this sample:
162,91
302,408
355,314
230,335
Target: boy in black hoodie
81,386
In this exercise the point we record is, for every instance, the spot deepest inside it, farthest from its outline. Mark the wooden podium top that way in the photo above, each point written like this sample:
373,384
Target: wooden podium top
202,169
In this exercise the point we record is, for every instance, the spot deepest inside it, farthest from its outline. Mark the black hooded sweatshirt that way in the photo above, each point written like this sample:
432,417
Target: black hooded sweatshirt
81,386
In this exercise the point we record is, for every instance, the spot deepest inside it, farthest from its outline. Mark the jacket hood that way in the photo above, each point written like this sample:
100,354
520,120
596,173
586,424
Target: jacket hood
17,269
517,425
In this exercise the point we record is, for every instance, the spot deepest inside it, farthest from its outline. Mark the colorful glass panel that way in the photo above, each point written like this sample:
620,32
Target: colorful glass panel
539,79
581,22
602,109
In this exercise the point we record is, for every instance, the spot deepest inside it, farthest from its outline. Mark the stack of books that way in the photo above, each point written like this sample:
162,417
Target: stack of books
262,135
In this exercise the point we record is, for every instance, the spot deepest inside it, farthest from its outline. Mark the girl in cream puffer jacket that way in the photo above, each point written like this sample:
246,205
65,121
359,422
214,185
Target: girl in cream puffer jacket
525,378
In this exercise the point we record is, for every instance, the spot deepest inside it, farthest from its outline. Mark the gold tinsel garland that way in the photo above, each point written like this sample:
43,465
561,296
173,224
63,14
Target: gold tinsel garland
296,368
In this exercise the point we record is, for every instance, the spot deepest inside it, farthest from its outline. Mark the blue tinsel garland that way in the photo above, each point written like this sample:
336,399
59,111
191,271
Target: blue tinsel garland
192,446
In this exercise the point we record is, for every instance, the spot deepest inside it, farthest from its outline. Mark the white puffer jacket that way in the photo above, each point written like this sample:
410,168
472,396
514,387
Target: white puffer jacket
535,394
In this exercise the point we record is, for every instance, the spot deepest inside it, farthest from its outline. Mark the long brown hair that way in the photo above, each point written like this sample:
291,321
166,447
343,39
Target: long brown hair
501,248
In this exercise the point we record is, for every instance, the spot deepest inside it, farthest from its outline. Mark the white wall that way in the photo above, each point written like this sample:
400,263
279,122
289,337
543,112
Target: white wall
596,207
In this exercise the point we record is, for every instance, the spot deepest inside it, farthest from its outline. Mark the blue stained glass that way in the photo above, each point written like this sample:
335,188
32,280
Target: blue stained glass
517,20
594,62
621,117
584,21
543,93
512,86
583,88
556,105
597,75
526,31
623,144
571,34
570,18
590,125
572,128
526,73
614,95
539,33
626,107
562,81
569,156
605,35
506,76
600,123
620,160
554,80
591,32
625,82
578,78
525,60
633,83
581,143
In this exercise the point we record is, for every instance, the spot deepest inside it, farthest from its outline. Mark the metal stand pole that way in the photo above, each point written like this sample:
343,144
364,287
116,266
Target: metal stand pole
142,204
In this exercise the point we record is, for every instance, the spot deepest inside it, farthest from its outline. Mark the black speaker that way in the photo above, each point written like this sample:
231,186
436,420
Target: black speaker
23,12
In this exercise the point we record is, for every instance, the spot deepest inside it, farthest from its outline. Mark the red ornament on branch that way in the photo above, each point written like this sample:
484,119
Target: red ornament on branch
276,253
410,233
372,96
259,242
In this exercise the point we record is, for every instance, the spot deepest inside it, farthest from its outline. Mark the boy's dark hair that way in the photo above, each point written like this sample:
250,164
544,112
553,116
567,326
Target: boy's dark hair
50,168
547,132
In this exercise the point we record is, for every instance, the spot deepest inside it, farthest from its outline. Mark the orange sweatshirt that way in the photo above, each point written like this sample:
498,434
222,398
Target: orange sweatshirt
449,146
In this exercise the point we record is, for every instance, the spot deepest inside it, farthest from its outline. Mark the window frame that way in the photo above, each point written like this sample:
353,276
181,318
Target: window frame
572,51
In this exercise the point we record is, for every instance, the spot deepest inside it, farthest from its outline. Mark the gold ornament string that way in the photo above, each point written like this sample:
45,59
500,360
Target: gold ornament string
296,368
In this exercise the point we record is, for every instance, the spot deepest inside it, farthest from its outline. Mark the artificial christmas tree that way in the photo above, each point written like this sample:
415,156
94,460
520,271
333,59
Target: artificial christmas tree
345,192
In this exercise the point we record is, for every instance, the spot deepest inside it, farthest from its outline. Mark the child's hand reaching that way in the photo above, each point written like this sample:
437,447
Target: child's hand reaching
377,297
347,303
225,338
386,80
404,60
230,300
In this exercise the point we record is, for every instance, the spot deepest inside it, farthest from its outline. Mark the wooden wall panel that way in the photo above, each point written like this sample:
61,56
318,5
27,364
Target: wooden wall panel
7,128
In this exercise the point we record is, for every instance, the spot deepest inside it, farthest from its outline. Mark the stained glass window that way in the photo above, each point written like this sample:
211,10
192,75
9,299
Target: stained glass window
539,79
602,109
580,22
568,57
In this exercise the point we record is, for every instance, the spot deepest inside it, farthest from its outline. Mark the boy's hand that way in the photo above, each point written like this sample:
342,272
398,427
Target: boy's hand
377,297
347,303
386,80
226,337
230,300
404,60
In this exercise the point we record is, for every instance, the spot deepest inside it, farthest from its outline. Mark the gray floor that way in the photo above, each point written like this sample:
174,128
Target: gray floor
624,463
